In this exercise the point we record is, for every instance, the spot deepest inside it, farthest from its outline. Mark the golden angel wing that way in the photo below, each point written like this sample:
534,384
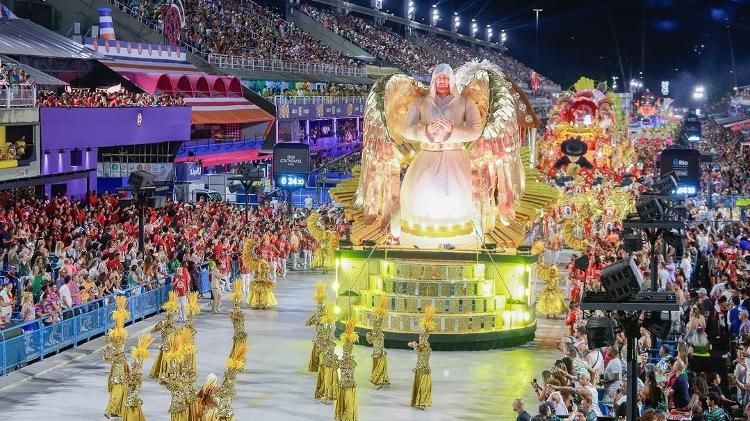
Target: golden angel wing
498,176
384,149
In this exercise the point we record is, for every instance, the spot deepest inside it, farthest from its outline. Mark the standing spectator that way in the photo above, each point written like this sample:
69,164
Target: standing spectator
518,409
181,289
215,288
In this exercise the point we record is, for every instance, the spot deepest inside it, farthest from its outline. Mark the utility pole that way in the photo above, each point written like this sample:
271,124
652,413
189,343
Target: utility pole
536,48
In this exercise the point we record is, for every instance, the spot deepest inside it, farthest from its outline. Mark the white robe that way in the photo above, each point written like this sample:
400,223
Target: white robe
436,193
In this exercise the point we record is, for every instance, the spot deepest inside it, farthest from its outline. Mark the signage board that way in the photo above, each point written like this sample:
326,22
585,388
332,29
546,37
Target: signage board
291,158
686,164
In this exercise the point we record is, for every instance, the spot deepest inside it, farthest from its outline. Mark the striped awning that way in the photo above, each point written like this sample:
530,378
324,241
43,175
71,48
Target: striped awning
235,110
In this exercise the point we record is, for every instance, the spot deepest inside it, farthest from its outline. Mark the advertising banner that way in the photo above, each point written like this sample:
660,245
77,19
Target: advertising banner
320,110
163,171
291,158
187,172
684,162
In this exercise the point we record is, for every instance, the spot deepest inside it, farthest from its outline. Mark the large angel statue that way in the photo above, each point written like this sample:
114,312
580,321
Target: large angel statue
460,139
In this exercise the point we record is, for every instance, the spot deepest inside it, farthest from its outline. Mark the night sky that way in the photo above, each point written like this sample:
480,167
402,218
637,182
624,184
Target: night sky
686,41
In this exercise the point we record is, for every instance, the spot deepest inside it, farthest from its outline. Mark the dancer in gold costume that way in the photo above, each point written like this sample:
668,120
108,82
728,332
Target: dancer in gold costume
421,392
134,381
324,256
379,376
237,317
114,352
180,380
166,328
346,404
551,298
261,288
315,319
191,363
326,389
226,392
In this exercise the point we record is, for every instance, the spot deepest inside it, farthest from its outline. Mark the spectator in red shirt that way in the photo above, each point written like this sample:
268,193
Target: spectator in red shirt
181,288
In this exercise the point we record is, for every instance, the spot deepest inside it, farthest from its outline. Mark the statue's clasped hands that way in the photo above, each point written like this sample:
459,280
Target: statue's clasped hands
439,130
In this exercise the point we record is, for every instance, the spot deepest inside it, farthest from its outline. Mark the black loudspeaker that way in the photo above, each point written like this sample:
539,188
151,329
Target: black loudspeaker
656,323
140,179
650,210
76,157
622,279
600,332
581,263
633,242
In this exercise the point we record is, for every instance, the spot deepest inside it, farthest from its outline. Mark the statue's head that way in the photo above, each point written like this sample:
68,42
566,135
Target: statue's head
443,82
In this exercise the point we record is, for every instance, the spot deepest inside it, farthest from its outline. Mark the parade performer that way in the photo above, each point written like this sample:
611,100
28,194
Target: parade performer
326,389
261,288
421,392
551,298
191,363
237,317
226,392
166,328
320,329
249,264
180,380
134,380
379,375
114,353
346,404
324,256
462,146
207,398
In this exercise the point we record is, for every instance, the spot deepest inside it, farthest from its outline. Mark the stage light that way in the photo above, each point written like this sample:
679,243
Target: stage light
621,280
600,332
456,22
336,310
503,36
488,33
474,28
335,286
650,210
435,15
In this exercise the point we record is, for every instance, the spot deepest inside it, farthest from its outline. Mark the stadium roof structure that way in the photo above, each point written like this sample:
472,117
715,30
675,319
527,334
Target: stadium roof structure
22,37
40,78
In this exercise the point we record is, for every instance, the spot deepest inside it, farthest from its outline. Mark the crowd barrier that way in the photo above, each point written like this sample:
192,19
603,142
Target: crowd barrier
12,96
24,343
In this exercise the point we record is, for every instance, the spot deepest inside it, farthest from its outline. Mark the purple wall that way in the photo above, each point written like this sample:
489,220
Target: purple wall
68,128
65,129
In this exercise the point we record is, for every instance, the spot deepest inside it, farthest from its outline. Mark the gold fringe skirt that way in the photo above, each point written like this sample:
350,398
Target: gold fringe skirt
236,344
551,302
261,297
346,404
379,376
180,416
194,410
328,383
312,367
116,400
421,391
133,413
160,369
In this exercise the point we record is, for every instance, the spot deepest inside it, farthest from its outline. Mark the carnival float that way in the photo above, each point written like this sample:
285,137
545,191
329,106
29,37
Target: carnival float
441,208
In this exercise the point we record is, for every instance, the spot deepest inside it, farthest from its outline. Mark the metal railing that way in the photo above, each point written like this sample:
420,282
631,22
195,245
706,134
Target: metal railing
24,343
248,63
314,100
17,96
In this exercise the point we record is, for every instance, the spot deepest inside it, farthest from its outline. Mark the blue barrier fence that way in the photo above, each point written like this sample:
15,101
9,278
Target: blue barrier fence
27,342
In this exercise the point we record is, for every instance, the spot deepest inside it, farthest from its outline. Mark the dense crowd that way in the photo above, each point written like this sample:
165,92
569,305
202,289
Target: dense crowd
64,256
14,75
244,29
380,41
102,99
315,89
733,178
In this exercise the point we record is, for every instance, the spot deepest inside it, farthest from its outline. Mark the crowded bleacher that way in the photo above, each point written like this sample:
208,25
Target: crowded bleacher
105,99
14,75
244,29
293,89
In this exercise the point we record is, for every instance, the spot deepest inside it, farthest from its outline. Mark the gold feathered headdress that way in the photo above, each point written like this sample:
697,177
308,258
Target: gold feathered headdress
120,314
237,293
140,352
174,346
171,305
186,339
427,323
349,335
192,304
382,308
328,316
320,291
236,361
